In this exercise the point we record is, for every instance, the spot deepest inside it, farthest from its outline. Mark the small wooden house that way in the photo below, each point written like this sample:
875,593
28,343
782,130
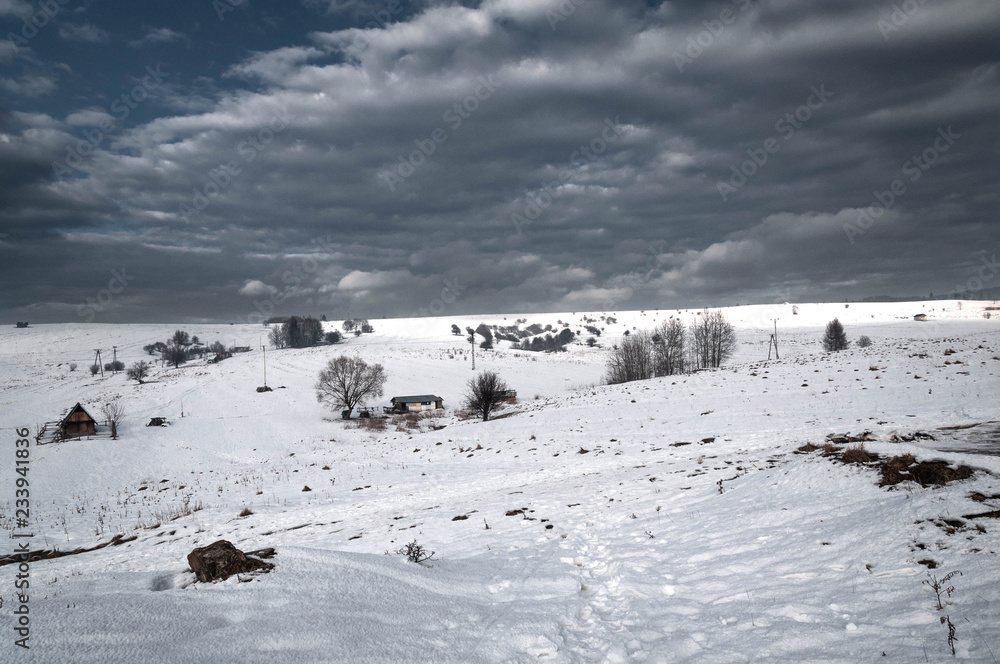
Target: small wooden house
415,404
77,423
920,317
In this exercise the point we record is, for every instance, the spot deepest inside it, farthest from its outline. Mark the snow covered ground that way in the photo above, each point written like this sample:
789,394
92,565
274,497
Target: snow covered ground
667,520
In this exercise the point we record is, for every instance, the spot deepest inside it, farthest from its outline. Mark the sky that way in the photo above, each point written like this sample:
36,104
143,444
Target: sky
229,160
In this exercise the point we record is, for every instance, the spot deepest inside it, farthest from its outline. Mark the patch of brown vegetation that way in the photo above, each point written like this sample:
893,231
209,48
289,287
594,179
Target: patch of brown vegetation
925,473
857,454
896,469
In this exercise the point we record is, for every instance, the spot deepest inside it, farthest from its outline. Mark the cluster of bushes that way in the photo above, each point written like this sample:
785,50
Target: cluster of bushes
528,338
298,332
182,347
358,326
548,343
670,348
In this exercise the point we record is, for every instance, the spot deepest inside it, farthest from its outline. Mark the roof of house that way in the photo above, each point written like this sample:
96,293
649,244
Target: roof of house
74,409
420,398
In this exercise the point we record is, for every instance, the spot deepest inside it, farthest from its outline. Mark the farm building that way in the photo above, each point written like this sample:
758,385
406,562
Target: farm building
414,404
77,423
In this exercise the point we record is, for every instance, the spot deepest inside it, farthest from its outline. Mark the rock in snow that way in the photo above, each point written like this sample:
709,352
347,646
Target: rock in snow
220,560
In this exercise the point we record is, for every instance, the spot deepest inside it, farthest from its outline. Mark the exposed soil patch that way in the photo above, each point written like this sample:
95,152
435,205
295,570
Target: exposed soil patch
56,553
995,514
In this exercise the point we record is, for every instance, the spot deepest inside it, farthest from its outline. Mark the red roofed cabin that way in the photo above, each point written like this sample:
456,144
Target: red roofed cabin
77,423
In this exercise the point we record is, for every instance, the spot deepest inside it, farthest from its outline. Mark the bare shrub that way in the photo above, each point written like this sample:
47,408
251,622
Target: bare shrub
138,372
864,341
415,553
246,512
372,424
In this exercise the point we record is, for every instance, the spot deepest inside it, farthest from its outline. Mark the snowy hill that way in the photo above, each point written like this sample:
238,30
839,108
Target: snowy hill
665,520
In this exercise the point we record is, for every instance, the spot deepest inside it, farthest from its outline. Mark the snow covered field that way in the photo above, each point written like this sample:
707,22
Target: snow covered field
667,520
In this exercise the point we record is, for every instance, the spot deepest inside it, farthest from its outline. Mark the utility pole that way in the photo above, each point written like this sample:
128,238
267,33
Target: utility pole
773,342
97,360
114,360
264,350
472,340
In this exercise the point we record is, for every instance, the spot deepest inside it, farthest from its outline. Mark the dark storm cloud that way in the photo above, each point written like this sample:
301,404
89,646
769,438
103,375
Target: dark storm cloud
525,155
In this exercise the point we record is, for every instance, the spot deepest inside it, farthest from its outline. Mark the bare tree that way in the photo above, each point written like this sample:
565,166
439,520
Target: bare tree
277,337
175,354
485,393
713,340
138,371
631,359
669,339
346,381
113,411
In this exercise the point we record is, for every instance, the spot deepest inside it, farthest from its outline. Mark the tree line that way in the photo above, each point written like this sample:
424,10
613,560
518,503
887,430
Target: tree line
672,348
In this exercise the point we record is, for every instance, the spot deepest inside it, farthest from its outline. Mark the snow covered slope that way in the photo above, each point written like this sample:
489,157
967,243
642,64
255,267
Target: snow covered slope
656,521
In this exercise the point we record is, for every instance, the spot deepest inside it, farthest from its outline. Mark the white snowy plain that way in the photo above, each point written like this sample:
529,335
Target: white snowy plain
625,546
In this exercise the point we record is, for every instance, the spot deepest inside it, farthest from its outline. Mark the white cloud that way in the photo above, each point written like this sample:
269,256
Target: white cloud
88,117
83,33
365,281
14,8
157,36
256,288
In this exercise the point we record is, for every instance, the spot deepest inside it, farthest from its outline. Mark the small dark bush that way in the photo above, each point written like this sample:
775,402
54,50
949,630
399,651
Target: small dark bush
415,553
864,341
